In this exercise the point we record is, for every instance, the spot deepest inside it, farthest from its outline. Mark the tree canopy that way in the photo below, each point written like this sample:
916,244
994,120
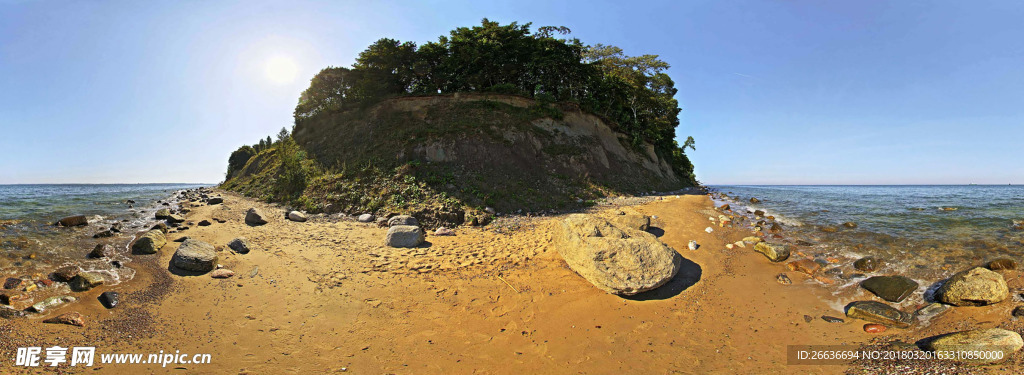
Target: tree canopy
633,92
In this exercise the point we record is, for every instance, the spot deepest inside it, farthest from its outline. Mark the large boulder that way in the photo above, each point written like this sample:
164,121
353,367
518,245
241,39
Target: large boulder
72,221
297,216
162,214
974,287
890,288
405,236
979,340
196,256
403,220
615,258
877,312
255,217
774,252
149,242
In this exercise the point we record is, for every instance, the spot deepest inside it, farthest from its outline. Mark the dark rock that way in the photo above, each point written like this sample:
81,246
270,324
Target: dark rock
109,299
239,245
160,226
1002,264
162,214
66,273
832,319
808,318
71,318
1018,311
783,279
205,223
103,234
181,239
254,217
175,218
850,224
890,288
116,263
877,312
196,256
775,228
215,200
12,283
867,264
759,213
73,221
102,251
9,313
754,200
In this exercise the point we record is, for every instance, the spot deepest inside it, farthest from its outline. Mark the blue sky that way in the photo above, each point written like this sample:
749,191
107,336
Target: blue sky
776,92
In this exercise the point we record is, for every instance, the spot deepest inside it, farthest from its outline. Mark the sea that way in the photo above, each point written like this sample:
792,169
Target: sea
32,247
926,232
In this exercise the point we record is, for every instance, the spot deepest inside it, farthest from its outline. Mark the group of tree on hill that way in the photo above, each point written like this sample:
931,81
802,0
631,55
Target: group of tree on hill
633,92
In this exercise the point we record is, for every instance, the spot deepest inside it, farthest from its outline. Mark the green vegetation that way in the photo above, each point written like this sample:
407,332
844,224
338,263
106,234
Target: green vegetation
358,130
634,93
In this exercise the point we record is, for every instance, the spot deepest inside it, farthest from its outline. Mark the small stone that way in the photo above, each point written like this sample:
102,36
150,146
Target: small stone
709,229
73,221
867,264
42,306
222,273
829,229
808,318
806,266
850,224
874,328
101,251
71,318
104,234
752,240
1002,264
774,252
12,283
365,218
877,312
783,279
297,216
932,310
890,288
215,200
239,245
1018,311
729,246
693,245
110,299
85,281
182,239
205,223
254,217
754,200
442,231
832,319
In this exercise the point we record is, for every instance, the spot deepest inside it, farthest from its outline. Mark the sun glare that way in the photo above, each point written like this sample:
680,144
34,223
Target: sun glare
281,70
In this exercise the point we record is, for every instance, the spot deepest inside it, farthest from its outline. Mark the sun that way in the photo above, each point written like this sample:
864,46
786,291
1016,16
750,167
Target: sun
281,70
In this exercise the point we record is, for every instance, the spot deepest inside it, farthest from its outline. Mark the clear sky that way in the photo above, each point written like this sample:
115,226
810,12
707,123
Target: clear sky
778,92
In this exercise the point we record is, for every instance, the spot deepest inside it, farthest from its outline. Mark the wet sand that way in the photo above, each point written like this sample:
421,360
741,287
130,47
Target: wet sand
327,296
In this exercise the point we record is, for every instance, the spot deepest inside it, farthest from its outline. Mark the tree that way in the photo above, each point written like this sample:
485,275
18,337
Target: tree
238,159
282,135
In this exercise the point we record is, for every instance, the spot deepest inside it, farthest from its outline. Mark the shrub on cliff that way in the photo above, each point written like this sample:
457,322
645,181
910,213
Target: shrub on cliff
633,92
238,159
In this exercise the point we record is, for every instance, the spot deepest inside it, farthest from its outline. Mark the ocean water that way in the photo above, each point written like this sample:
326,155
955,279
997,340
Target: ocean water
926,233
32,247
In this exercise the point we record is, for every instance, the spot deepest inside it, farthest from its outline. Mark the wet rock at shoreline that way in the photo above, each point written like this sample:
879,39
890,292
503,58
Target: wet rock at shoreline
752,240
774,252
754,200
162,227
9,313
890,288
51,302
85,281
222,273
806,266
829,229
365,218
109,299
867,264
162,214
991,339
403,220
194,255
71,318
150,242
932,310
614,258
404,236
974,287
297,216
12,283
215,200
66,273
850,224
175,218
832,319
104,234
1002,264
239,245
73,221
877,312
101,251
254,217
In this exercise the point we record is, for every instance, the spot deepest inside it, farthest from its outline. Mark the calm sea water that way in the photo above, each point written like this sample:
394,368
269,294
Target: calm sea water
923,232
30,246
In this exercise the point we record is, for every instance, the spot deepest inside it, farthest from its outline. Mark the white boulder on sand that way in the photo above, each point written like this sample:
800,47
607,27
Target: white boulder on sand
405,236
297,216
615,258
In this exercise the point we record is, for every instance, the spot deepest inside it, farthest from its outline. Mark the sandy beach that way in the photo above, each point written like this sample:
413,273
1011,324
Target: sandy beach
327,296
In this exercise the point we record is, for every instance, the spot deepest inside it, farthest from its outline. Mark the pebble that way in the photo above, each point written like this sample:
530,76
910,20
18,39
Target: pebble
222,273
709,229
832,319
693,245
874,328
1019,311
783,279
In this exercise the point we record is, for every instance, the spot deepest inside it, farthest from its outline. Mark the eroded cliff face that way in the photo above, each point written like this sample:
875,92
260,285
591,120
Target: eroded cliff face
496,146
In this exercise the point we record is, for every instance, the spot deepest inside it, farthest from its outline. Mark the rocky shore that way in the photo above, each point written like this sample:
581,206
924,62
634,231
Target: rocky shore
664,282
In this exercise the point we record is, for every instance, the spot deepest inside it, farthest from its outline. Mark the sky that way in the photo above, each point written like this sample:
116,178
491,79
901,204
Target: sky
774,92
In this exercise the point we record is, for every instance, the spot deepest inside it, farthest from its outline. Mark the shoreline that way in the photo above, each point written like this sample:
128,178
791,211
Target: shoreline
326,294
